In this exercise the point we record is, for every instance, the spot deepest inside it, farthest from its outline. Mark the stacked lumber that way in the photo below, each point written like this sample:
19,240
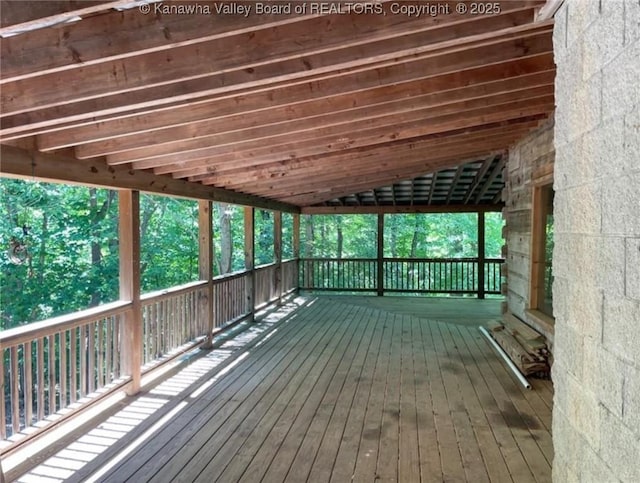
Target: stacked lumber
524,346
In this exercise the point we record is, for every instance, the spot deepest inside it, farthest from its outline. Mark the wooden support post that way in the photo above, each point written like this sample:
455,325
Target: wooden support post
129,228
296,247
481,251
380,281
249,259
205,266
277,252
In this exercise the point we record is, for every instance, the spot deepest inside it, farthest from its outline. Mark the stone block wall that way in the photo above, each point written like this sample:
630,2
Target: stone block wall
596,374
530,158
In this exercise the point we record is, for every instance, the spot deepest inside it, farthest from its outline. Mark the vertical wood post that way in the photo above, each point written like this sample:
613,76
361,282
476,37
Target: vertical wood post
249,259
481,251
296,247
277,252
380,277
129,231
205,266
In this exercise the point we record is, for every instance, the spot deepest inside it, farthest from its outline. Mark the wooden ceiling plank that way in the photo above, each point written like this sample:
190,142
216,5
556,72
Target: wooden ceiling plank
390,159
130,33
294,121
372,210
321,195
21,16
370,137
33,164
276,103
346,177
174,113
247,168
122,134
242,62
288,72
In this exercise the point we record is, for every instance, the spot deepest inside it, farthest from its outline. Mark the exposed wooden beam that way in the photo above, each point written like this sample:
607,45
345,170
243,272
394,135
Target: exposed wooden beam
352,210
478,178
305,196
378,136
274,105
376,74
454,183
131,33
231,65
23,163
227,140
386,159
497,170
434,182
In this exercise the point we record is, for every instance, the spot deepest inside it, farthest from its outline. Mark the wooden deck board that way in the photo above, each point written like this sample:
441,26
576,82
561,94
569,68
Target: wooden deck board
349,392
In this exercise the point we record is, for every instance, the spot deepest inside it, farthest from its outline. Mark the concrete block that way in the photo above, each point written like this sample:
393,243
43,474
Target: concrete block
620,334
594,469
621,206
579,16
619,447
632,268
568,449
603,375
610,266
631,406
603,37
621,82
631,154
583,111
631,21
601,152
568,349
578,209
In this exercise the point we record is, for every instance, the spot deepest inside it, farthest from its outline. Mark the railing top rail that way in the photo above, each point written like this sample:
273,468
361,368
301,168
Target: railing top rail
35,330
169,292
229,276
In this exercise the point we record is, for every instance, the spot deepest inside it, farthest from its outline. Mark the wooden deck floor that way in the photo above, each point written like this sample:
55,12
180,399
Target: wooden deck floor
344,392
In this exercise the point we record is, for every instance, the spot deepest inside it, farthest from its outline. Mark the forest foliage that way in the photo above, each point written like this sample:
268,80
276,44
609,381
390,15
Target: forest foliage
71,235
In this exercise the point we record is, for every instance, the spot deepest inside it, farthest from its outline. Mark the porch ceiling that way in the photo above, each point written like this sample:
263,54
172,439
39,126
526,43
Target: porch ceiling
326,108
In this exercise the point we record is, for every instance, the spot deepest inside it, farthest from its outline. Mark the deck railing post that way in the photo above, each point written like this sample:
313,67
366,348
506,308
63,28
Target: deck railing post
380,276
129,234
277,252
205,266
296,248
481,254
249,260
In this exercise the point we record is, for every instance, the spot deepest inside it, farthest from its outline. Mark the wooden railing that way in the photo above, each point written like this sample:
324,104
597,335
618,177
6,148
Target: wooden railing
171,319
51,365
400,275
229,298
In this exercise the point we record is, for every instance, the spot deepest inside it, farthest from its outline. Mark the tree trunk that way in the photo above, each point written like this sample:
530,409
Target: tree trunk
96,252
414,239
226,243
340,236
309,238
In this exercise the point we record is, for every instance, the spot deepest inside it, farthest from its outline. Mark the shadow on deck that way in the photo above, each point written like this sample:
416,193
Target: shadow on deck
340,389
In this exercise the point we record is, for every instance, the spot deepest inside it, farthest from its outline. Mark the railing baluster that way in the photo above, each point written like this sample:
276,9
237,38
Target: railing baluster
3,416
83,361
15,391
28,385
40,378
73,364
62,378
91,376
51,372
